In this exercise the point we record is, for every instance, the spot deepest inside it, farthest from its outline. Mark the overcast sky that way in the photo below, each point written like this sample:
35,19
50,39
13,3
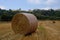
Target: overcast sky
29,4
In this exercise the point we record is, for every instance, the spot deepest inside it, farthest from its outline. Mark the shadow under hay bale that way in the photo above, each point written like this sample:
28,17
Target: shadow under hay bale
24,23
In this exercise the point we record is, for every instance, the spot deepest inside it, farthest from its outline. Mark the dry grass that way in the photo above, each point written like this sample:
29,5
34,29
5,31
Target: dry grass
52,29
4,28
47,30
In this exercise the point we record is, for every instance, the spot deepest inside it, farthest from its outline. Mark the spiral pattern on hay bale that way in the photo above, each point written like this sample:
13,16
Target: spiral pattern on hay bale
24,23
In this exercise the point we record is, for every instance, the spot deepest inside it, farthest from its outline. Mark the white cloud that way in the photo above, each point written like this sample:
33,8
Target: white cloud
34,1
2,7
50,2
46,2
46,8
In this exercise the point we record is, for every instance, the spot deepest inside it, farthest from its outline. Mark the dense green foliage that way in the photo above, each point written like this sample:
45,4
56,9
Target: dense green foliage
47,14
7,15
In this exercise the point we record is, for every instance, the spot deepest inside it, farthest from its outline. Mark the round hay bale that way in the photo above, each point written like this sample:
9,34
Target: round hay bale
24,23
54,22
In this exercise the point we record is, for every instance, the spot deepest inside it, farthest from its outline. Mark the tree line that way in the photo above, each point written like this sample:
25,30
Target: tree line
7,15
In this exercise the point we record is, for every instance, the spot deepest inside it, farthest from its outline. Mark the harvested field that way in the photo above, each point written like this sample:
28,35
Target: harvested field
47,30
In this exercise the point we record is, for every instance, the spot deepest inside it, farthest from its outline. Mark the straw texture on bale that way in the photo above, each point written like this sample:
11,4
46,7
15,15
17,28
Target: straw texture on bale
24,23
